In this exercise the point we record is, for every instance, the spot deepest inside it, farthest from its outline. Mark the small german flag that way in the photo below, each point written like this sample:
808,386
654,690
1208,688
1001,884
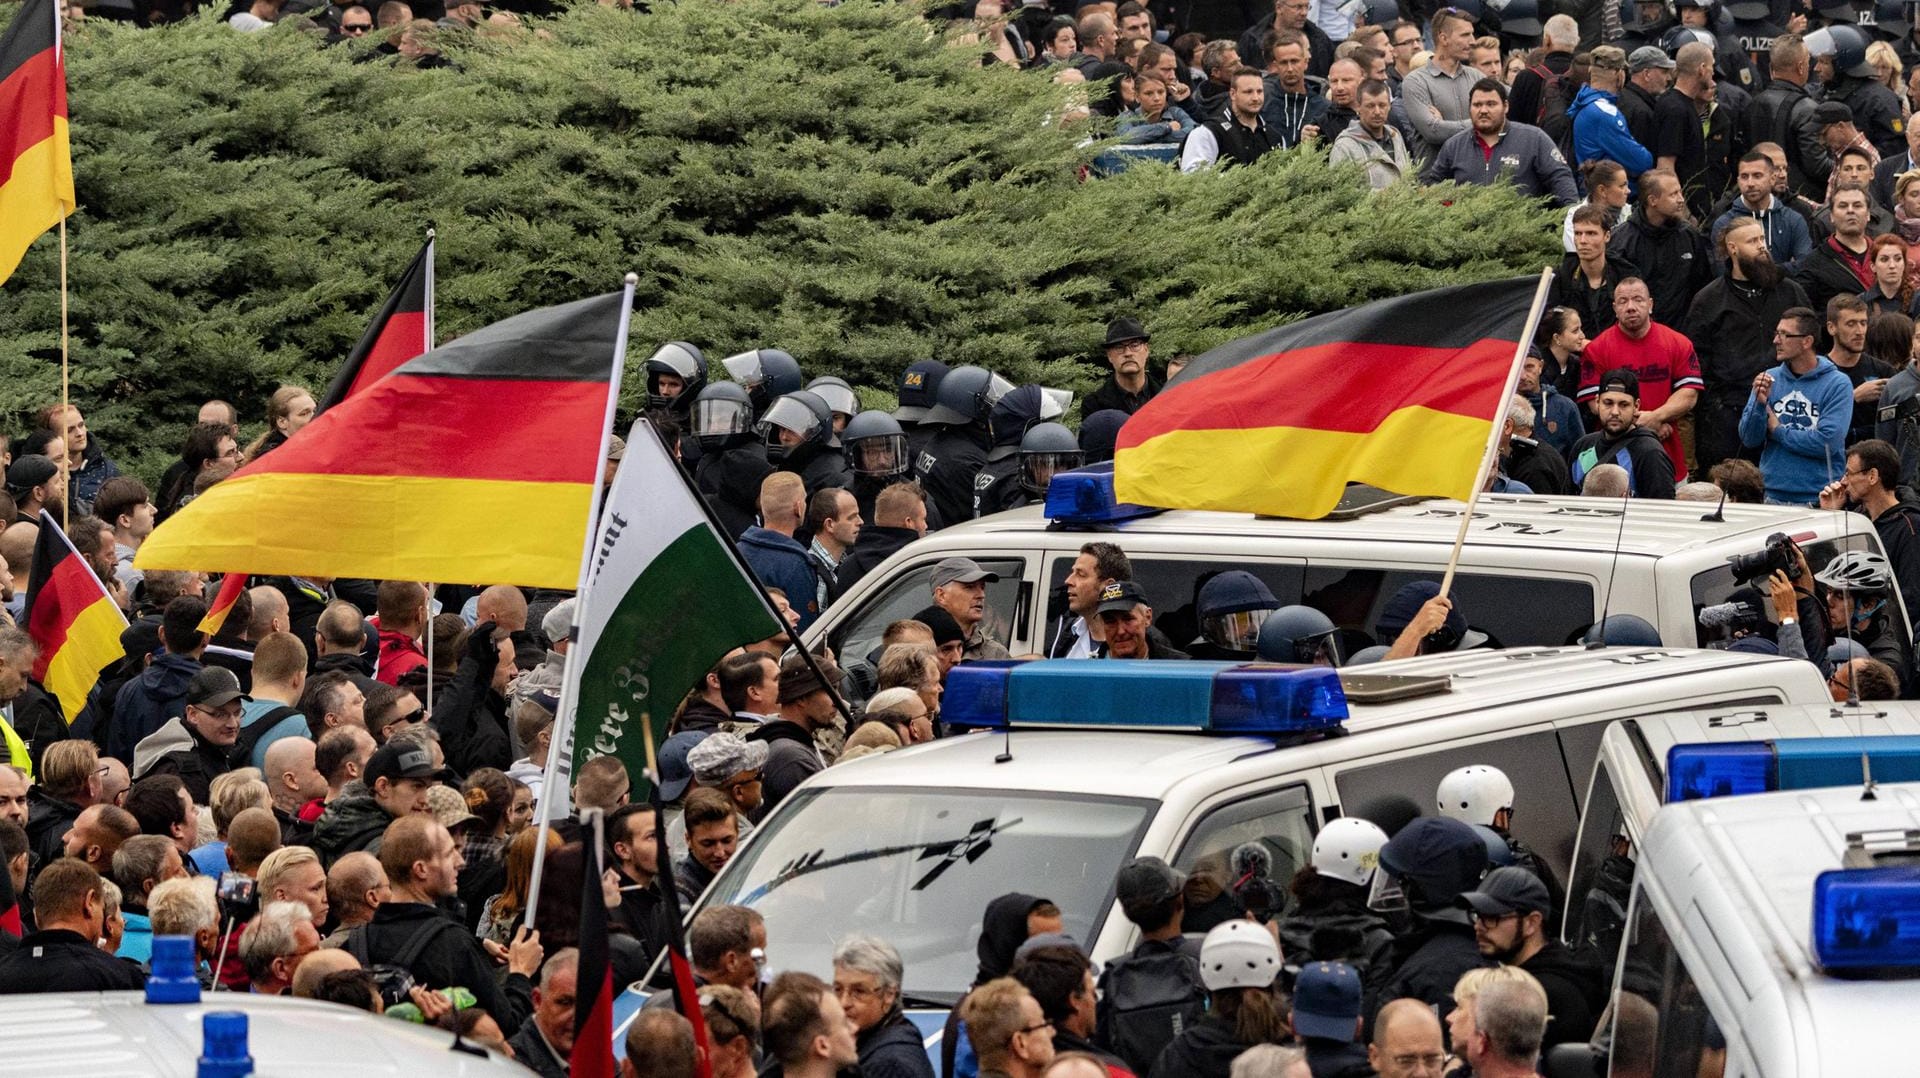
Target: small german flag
403,330
36,164
71,618
231,586
1401,394
475,461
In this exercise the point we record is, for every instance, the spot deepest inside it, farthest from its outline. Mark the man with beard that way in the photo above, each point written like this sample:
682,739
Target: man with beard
1847,329
1491,151
1671,255
1661,360
1509,926
1843,265
1622,440
1131,384
1731,325
37,483
1787,237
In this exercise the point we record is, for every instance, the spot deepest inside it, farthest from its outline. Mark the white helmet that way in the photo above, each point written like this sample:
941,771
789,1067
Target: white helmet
1239,954
1475,794
1348,849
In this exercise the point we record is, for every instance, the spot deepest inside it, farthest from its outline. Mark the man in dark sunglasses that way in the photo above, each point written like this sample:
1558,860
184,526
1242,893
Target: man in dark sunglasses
356,22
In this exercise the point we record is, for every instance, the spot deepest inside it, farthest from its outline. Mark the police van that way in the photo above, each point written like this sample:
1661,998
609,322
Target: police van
1770,936
1534,571
1080,765
121,1034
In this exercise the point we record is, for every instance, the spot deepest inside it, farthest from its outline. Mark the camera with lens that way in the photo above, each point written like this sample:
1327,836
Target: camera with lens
239,897
1777,555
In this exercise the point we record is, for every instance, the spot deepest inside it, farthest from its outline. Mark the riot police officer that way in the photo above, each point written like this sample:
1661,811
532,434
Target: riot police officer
957,451
918,384
839,396
876,452
1231,608
1840,64
1299,634
798,433
675,376
767,373
733,462
1007,423
1046,449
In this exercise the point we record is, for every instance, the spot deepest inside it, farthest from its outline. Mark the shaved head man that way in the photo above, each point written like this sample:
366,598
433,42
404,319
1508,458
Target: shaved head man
503,605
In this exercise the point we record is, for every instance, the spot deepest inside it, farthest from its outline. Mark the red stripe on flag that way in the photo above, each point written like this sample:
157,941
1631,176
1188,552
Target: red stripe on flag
401,339
29,100
70,588
231,586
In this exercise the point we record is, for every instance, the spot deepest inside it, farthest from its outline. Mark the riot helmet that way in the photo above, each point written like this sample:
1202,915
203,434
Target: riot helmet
1300,634
1019,410
722,412
875,446
1232,607
918,384
839,396
796,419
766,372
680,361
1046,450
967,395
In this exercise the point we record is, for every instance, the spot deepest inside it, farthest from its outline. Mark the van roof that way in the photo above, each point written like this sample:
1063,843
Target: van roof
1768,722
1741,869
1461,684
1653,528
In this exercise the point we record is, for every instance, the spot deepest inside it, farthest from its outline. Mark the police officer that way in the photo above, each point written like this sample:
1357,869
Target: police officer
798,432
839,396
1045,450
1300,634
1008,422
675,376
957,451
1482,795
1840,64
1330,921
876,452
918,384
1754,25
767,373
1231,608
1642,22
733,462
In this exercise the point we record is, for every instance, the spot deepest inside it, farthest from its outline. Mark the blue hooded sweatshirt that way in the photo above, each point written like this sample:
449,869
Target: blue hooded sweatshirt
1599,130
1808,449
781,562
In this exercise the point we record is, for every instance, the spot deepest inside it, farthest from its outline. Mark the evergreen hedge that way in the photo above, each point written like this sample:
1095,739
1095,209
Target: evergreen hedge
834,181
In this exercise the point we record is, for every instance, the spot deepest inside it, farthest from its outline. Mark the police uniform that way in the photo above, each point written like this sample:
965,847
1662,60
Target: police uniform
1876,112
947,467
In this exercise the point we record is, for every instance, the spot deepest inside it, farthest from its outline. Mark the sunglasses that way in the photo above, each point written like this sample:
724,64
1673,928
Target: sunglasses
355,27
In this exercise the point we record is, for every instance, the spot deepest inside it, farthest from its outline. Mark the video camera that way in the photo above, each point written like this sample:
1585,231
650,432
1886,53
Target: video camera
239,897
1778,555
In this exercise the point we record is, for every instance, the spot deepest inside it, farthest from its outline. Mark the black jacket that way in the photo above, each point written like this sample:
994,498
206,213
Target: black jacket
892,1049
1638,450
530,1050
818,466
454,957
1731,326
349,824
48,821
1253,47
1336,1059
38,720
1576,992
1783,113
472,719
1431,959
1110,395
1543,470
791,758
1899,529
1594,305
1341,932
61,961
947,467
730,479
1206,1049
1637,108
874,545
197,765
640,913
1674,259
1824,274
700,715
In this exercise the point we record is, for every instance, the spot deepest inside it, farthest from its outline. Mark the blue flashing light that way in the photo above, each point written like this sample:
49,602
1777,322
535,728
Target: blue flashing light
1867,919
1719,769
1086,497
1142,694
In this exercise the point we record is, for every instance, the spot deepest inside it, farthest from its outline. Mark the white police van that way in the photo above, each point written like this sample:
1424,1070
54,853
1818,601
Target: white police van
120,1034
1771,936
1535,570
1087,763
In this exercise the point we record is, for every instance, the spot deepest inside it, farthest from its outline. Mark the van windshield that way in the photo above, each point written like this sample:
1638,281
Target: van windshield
917,867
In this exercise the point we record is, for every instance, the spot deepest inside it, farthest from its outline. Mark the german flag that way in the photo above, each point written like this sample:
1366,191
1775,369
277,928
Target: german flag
1401,393
72,619
231,586
475,461
403,331
36,164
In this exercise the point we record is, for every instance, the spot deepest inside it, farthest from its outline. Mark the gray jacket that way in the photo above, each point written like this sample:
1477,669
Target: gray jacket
1384,169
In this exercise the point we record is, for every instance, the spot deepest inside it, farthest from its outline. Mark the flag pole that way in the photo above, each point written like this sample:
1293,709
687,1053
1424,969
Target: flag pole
426,345
1492,452
66,504
560,743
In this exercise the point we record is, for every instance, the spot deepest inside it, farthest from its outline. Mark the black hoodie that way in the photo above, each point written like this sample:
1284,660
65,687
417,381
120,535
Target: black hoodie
1204,1050
874,545
1637,449
1003,928
1576,992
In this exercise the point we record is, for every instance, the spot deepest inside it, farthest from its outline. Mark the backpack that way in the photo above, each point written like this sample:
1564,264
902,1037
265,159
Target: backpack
1556,97
395,978
250,734
1147,1000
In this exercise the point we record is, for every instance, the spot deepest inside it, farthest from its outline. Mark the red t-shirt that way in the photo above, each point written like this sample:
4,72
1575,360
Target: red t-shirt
1664,360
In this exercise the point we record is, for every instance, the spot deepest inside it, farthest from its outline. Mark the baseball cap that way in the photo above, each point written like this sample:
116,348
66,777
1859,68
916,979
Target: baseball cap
1120,597
396,762
1620,380
724,754
1648,57
214,686
1826,112
448,806
616,447
675,773
1147,881
1509,889
29,471
1326,1001
960,571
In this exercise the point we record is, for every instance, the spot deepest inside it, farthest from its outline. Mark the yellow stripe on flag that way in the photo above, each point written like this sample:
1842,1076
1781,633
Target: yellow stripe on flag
37,194
1302,472
384,527
93,641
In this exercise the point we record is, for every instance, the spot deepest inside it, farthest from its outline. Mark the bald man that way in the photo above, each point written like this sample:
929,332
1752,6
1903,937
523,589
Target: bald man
293,782
270,613
504,605
1406,1041
317,966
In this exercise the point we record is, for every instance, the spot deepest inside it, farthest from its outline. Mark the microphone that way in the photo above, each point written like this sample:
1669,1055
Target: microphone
1727,615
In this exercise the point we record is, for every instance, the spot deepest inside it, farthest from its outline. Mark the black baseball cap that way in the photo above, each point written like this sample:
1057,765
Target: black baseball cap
396,762
1120,597
1620,380
214,686
1509,889
1147,881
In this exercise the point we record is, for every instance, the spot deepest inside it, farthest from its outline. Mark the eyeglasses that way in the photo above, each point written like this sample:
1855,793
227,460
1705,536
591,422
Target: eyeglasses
355,27
1779,336
1035,1029
856,991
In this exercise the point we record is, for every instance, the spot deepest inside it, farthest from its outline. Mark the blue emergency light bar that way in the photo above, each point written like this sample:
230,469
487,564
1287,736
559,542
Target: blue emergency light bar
1146,694
1085,497
1730,768
1867,920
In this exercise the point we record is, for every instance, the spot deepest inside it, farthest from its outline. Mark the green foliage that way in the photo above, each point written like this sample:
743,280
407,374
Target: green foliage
835,181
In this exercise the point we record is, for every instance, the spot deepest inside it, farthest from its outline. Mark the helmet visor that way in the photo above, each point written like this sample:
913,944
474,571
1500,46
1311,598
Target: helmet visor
720,418
878,456
788,423
1054,403
1238,631
1038,469
997,387
745,368
673,359
1319,649
839,398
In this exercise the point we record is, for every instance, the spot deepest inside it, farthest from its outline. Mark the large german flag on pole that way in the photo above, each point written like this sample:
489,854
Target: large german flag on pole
1401,394
36,166
476,462
72,619
403,330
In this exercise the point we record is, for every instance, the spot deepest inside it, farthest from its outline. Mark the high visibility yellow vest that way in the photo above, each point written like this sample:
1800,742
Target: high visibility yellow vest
16,749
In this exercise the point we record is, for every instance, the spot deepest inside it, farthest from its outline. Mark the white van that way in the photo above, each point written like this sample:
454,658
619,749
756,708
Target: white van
1536,571
1101,761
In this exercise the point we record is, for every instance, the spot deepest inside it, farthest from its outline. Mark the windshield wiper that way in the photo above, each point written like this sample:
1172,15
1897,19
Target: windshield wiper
970,847
919,1001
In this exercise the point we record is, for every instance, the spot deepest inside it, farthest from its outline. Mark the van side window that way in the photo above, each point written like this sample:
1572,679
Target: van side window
1512,610
1173,588
1279,823
1661,1026
911,593
1601,881
1715,586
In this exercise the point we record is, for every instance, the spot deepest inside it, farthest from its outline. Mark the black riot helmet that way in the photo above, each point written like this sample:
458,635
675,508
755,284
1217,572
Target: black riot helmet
839,396
1020,409
1299,634
766,372
918,384
797,419
1046,450
722,415
876,446
676,359
967,395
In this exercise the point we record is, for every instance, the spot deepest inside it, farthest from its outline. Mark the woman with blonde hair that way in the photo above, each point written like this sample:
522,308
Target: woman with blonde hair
505,910
290,408
1888,72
